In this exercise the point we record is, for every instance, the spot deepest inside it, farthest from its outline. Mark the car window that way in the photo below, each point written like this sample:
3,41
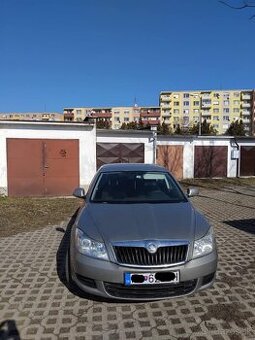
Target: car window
136,187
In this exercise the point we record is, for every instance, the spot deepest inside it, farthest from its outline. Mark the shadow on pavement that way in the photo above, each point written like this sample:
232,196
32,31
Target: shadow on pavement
9,331
245,225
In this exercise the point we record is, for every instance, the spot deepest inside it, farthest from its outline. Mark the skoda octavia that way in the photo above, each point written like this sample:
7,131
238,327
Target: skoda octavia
139,237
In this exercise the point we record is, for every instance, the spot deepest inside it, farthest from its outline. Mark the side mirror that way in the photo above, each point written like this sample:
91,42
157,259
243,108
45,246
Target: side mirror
192,192
79,192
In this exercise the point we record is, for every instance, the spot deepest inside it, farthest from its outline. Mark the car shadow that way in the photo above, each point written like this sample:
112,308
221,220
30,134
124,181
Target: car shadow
247,225
9,331
61,265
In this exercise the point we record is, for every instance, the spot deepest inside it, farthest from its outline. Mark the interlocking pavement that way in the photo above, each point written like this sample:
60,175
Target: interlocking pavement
35,303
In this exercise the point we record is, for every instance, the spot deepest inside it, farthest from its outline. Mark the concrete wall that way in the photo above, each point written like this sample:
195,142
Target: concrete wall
41,130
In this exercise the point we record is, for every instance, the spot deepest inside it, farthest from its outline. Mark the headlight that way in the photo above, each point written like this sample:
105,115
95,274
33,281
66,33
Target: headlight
89,247
204,245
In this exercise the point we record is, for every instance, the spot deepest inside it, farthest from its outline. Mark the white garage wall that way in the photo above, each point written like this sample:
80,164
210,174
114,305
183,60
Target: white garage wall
189,143
40,130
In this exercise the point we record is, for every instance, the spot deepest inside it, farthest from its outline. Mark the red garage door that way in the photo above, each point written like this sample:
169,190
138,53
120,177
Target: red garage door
211,161
171,157
39,167
247,161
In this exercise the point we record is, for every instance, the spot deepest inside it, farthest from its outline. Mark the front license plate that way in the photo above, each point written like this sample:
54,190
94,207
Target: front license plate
151,278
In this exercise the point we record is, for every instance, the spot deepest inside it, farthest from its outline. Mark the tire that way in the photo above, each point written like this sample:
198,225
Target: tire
67,267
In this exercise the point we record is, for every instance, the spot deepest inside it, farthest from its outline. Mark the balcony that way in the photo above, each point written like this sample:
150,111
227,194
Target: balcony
206,104
150,114
205,96
165,105
165,97
246,121
246,104
101,115
246,113
166,115
246,96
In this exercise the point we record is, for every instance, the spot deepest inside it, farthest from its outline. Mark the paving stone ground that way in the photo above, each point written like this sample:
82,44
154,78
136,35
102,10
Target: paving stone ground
35,301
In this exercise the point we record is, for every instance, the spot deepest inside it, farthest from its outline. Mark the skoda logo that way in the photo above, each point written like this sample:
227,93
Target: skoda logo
152,248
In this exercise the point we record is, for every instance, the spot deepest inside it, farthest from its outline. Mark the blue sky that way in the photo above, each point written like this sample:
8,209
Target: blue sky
72,53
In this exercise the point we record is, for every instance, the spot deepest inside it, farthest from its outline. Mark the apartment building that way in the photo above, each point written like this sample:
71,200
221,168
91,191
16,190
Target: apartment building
150,115
218,107
36,116
116,116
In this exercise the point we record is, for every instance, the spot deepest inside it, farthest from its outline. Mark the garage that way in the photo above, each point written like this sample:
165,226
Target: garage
210,161
171,157
119,153
42,167
247,161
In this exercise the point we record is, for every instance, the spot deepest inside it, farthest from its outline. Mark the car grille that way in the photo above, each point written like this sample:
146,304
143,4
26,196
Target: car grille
150,291
141,257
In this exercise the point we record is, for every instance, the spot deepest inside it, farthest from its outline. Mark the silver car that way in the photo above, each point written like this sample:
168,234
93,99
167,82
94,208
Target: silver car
138,237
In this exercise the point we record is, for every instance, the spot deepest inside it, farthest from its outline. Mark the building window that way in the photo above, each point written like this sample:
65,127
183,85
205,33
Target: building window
236,110
195,111
216,118
186,95
126,112
116,112
126,119
176,96
236,102
216,95
226,102
176,110
185,103
236,94
78,112
196,103
226,118
176,103
226,110
216,110
186,111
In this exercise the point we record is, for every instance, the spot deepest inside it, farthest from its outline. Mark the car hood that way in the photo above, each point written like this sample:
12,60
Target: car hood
131,222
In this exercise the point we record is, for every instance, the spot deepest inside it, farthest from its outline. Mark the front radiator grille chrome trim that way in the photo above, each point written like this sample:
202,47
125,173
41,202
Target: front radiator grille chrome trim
136,253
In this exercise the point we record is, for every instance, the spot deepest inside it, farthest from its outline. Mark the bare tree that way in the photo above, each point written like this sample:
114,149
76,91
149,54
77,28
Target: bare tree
244,4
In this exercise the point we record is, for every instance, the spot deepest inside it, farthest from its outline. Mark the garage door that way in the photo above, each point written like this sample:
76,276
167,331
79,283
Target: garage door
211,161
171,157
37,167
247,161
119,153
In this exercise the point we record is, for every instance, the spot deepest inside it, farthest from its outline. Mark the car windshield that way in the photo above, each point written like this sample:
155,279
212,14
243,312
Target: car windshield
136,187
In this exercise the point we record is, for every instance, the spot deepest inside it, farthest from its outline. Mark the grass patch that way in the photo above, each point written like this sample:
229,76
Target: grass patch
218,183
28,214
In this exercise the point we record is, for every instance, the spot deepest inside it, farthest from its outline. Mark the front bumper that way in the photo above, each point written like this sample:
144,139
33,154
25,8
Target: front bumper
106,279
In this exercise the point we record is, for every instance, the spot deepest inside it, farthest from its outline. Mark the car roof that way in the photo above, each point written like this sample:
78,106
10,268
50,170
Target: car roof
131,167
